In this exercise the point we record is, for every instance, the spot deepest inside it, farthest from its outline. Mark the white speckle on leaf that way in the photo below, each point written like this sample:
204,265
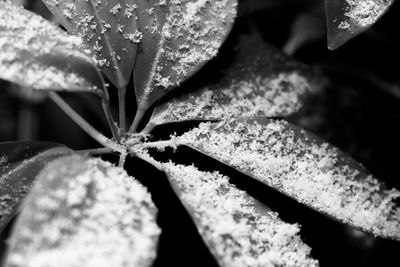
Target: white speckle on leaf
312,173
36,54
239,231
85,212
256,96
259,81
366,12
103,24
189,34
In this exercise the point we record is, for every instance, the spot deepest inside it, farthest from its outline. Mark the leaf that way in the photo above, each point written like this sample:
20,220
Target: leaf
20,163
108,28
85,212
260,81
303,167
37,54
238,230
179,37
348,18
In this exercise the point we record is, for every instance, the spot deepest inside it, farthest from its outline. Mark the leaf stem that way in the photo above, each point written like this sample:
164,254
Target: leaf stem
138,117
96,151
150,160
122,159
149,128
107,110
111,123
122,109
160,144
89,129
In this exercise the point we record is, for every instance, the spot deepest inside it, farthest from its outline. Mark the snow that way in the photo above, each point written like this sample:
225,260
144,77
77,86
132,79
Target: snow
29,46
238,230
258,95
298,165
366,12
85,212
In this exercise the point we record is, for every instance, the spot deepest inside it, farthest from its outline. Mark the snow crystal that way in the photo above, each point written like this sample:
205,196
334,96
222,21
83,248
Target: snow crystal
275,95
366,12
27,45
190,35
238,230
298,165
105,29
85,212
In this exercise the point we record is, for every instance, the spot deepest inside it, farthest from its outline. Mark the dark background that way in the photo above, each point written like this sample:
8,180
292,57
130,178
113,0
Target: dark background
357,110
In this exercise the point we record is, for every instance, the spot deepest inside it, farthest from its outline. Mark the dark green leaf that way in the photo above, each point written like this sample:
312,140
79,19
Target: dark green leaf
85,212
179,37
20,163
303,167
108,28
348,18
36,54
238,230
260,81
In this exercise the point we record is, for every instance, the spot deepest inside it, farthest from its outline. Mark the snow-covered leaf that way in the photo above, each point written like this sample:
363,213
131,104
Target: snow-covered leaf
303,167
36,54
238,230
85,212
260,81
179,37
108,28
348,18
20,163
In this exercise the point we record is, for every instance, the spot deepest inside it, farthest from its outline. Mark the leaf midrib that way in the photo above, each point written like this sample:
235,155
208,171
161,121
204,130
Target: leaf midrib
120,77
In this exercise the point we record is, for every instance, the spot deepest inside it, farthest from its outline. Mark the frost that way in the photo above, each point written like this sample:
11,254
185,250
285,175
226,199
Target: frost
306,169
36,54
18,172
188,33
348,18
260,81
262,96
106,28
366,12
85,212
238,230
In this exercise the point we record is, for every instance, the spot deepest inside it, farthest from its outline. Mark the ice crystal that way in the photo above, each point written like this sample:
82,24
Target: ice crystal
238,230
85,212
107,27
297,164
37,54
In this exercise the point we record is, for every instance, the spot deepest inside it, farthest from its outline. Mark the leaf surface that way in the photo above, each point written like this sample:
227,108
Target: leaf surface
179,37
36,54
260,81
20,163
238,230
348,18
303,167
108,28
85,212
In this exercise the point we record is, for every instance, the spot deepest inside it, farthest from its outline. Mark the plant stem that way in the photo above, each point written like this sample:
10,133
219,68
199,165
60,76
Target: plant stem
150,160
122,110
122,158
107,111
138,117
159,144
149,128
89,129
96,151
